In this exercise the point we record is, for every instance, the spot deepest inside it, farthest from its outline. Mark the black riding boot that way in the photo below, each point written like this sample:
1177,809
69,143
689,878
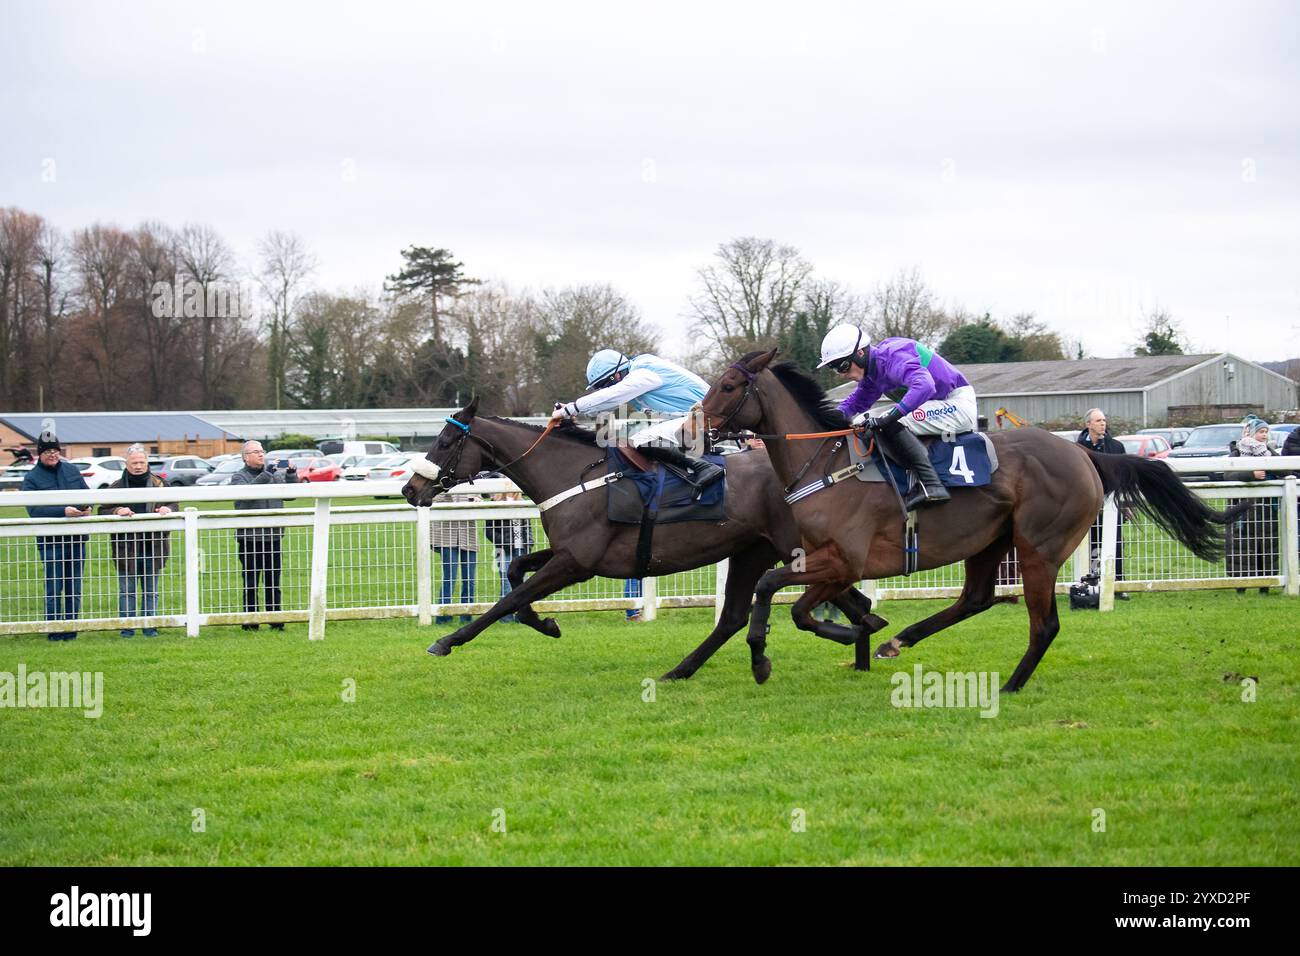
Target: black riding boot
905,448
701,472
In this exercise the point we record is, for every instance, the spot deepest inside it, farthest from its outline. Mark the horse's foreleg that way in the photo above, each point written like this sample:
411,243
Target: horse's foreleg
742,575
527,564
823,565
559,572
1039,576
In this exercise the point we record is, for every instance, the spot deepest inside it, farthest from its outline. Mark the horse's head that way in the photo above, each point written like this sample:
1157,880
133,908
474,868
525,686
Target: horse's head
728,403
452,458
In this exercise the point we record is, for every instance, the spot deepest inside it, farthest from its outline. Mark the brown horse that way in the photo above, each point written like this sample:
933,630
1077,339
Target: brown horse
758,530
1042,499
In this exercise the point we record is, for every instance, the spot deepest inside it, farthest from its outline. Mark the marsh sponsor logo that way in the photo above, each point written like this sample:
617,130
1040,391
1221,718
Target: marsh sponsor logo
946,689
102,909
82,690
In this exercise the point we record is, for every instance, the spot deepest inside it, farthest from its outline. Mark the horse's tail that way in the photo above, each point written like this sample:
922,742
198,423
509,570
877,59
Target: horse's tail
1150,486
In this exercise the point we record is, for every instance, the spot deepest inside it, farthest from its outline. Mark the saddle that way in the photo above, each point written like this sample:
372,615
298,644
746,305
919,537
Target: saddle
658,494
968,461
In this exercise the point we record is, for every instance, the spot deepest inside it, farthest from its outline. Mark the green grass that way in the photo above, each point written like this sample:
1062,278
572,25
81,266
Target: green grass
1138,713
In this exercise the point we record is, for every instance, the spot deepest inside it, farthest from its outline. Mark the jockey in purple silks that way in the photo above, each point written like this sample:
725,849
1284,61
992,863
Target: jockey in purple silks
938,400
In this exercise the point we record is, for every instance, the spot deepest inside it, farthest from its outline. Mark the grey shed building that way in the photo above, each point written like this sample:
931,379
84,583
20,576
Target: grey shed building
1148,390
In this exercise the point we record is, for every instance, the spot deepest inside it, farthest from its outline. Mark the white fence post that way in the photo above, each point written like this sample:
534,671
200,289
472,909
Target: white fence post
1290,534
720,588
872,591
193,561
1080,561
1109,532
320,567
424,566
649,599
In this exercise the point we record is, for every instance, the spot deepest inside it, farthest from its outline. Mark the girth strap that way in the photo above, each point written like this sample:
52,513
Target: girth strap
824,482
578,489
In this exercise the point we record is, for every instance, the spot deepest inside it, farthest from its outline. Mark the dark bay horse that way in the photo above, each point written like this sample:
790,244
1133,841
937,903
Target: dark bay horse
759,529
1042,499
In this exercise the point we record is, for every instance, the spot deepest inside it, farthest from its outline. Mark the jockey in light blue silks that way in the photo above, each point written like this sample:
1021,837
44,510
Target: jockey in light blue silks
652,383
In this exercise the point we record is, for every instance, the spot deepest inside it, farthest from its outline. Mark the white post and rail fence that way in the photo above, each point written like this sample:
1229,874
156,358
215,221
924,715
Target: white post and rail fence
340,561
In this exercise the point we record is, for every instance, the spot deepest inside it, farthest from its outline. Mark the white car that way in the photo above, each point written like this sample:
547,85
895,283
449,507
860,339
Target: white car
100,472
361,470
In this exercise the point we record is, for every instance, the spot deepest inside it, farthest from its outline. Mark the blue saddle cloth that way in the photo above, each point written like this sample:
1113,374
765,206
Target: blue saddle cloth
963,463
661,494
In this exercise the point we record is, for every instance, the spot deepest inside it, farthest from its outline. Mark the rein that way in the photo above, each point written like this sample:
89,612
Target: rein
448,480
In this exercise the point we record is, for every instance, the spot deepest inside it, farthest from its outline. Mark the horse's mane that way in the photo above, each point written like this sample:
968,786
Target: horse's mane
807,394
584,435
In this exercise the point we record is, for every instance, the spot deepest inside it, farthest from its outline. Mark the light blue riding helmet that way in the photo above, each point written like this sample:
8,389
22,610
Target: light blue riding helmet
603,365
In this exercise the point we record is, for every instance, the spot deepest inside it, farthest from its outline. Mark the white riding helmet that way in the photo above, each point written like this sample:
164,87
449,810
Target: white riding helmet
841,342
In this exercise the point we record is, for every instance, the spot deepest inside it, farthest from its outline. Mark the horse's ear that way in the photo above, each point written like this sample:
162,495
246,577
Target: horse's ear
470,410
760,362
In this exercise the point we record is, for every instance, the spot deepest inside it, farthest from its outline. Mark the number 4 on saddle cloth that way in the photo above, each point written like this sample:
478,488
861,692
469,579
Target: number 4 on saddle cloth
968,461
661,496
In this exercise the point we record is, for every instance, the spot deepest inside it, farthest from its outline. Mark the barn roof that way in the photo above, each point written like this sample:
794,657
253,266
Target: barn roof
114,427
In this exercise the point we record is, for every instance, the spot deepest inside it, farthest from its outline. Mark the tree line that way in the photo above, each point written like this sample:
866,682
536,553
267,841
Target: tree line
159,317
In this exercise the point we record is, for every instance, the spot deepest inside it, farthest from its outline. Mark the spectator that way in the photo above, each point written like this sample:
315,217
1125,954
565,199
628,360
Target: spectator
457,545
1292,444
259,548
1250,542
513,537
632,589
64,556
1096,437
139,555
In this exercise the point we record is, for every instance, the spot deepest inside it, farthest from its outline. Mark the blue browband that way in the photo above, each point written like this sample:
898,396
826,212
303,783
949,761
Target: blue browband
452,421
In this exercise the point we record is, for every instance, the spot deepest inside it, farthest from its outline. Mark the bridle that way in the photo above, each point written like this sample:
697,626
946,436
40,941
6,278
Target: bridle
714,434
447,479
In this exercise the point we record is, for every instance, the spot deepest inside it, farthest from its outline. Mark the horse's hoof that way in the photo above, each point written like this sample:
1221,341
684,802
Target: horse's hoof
437,650
762,671
550,628
886,651
677,675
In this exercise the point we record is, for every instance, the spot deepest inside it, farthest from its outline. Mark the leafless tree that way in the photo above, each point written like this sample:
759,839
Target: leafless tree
19,234
749,296
101,257
905,306
55,297
284,267
205,258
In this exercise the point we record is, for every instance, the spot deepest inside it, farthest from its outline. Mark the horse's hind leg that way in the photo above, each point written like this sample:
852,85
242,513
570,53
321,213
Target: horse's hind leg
858,607
977,596
527,564
1039,576
743,573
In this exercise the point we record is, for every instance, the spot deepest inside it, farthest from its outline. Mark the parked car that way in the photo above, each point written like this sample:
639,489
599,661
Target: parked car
338,447
1068,436
317,469
1145,446
1208,441
216,460
344,461
100,472
283,454
1175,436
362,469
397,466
222,473
180,469
12,479
1277,434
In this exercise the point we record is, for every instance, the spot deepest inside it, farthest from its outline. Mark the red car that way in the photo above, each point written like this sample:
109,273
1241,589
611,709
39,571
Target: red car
1145,446
317,469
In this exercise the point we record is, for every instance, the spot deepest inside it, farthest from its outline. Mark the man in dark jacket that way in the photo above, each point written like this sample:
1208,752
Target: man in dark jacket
64,556
259,548
1292,444
1095,437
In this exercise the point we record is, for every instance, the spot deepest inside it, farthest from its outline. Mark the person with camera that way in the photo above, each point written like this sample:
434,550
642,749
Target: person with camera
259,548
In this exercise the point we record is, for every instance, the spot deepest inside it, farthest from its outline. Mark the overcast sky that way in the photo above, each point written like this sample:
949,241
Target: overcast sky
1086,162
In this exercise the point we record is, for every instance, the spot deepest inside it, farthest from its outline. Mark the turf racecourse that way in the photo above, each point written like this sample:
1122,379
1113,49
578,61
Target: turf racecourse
1138,713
